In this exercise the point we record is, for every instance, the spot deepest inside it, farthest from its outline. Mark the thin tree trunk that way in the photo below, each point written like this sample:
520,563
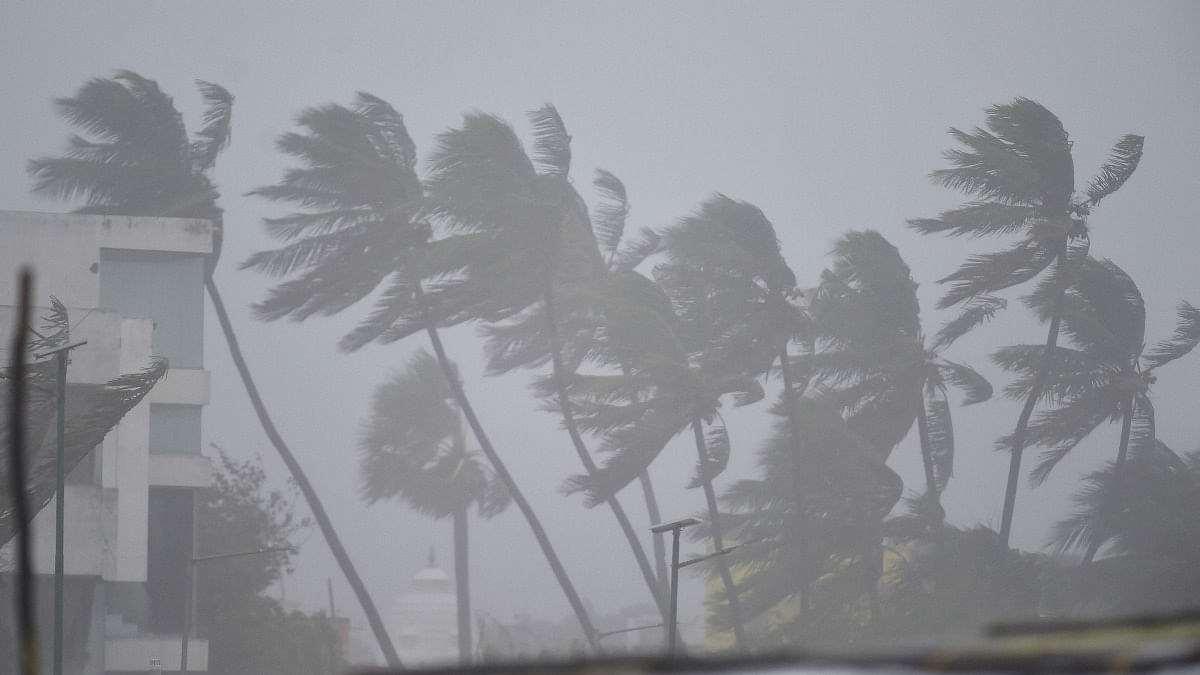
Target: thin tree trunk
306,488
710,497
489,451
1039,383
1114,495
462,586
655,516
564,402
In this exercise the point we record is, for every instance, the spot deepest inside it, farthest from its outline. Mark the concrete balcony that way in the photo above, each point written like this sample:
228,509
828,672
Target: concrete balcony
182,386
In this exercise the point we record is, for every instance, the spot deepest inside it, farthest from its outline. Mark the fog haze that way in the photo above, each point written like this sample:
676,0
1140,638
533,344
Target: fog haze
826,116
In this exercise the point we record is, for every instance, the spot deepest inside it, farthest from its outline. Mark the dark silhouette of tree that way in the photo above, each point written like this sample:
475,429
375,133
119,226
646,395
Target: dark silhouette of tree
1150,520
140,162
1022,175
413,449
1106,377
872,360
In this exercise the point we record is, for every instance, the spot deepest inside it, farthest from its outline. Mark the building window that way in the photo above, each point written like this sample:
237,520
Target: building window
174,429
165,287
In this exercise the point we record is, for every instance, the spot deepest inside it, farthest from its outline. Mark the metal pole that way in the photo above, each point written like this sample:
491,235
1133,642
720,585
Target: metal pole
673,624
60,355
60,511
188,588
187,616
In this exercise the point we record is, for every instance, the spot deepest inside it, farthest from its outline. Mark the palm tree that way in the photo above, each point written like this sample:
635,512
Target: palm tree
413,449
872,360
1021,173
814,554
1150,521
710,329
363,224
1108,375
520,242
142,163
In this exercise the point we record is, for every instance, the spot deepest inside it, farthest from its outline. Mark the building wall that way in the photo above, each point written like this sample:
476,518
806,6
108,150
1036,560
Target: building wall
134,289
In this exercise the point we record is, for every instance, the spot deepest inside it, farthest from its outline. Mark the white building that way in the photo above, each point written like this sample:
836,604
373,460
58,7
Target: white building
134,289
424,623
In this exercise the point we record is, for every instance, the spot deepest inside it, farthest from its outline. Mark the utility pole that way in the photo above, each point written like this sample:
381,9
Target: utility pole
672,623
60,354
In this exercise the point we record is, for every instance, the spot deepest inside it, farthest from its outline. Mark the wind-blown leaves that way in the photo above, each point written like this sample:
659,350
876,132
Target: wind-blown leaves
214,136
716,445
1185,339
978,310
608,217
1121,164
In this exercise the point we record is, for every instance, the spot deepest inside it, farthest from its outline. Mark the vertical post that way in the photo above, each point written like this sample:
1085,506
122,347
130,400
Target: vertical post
673,625
60,354
673,614
60,510
187,616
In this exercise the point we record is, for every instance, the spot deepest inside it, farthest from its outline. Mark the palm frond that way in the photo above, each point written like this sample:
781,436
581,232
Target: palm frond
990,272
716,456
608,218
551,144
1122,162
978,219
214,136
1186,337
975,386
977,311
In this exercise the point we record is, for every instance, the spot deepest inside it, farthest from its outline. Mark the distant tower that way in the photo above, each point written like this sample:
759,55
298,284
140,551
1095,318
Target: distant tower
424,621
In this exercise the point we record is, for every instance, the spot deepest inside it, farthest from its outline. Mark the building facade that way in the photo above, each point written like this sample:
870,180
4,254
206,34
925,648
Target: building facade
134,289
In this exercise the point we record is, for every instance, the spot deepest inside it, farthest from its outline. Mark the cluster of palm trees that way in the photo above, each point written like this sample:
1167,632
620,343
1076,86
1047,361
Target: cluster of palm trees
636,339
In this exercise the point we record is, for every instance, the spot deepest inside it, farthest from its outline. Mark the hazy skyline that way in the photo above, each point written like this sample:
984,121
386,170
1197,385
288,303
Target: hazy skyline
827,116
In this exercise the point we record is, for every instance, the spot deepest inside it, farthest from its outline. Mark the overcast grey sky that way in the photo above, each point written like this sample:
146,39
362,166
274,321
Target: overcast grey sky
827,116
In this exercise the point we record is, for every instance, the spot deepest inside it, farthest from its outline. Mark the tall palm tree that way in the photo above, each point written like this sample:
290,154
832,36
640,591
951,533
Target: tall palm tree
872,360
1106,377
823,540
710,329
1022,176
413,449
363,224
523,245
140,162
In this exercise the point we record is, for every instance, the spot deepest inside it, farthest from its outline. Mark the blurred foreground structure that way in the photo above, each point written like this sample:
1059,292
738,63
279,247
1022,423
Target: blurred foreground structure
134,289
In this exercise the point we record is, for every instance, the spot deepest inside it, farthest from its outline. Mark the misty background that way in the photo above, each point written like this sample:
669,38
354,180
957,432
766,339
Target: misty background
826,116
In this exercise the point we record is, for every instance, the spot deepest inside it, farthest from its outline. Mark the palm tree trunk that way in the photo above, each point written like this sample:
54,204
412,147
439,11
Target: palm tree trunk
306,488
655,516
1039,383
489,451
1114,494
564,403
710,497
462,586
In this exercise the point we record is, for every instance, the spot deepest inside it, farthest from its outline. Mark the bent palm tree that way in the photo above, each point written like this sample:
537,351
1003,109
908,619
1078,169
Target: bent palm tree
521,243
1107,377
142,163
1021,172
872,361
362,225
413,449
